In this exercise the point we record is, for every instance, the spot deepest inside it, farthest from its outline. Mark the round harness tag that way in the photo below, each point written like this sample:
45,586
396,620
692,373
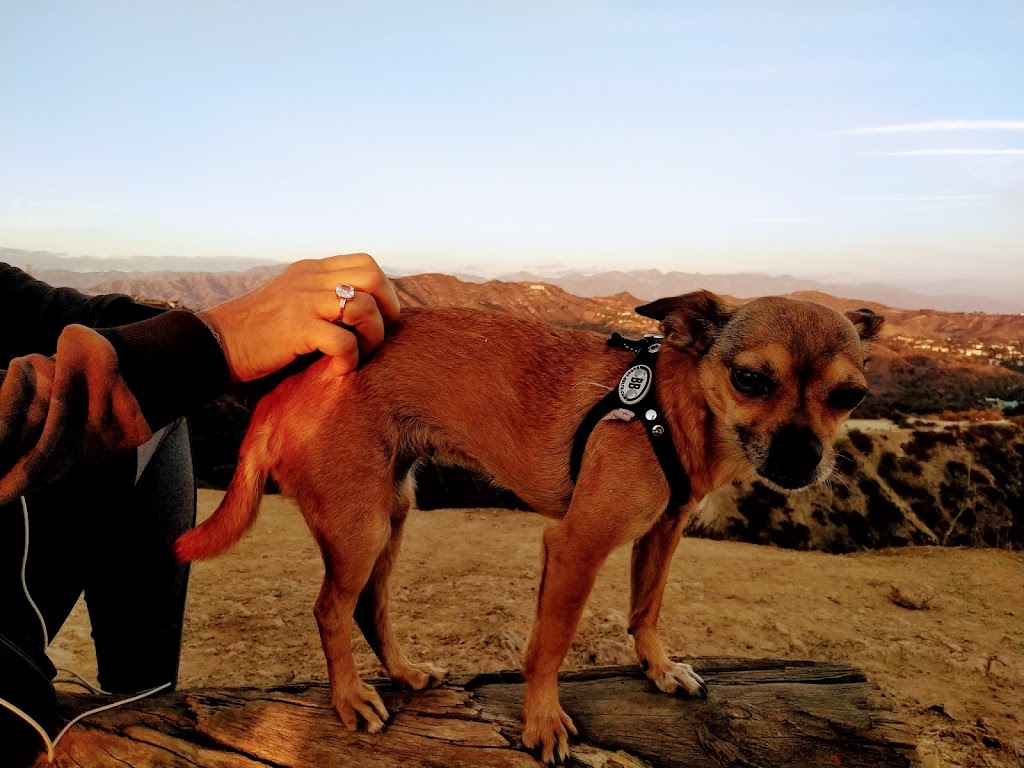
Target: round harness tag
634,384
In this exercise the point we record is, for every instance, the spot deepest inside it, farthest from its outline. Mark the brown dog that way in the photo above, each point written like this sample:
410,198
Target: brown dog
760,388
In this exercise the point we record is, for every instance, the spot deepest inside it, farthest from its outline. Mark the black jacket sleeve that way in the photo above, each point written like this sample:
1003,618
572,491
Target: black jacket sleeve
33,314
169,359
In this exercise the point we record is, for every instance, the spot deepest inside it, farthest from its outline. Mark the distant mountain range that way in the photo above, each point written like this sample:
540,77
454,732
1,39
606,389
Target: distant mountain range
553,304
186,275
60,262
652,284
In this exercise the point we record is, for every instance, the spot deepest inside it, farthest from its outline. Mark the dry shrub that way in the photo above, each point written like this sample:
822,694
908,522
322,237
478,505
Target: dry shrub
860,440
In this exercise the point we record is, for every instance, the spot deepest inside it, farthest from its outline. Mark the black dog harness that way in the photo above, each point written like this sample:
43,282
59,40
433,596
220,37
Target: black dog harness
635,397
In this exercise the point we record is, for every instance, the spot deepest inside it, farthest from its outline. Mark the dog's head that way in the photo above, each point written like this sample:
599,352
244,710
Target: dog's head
779,375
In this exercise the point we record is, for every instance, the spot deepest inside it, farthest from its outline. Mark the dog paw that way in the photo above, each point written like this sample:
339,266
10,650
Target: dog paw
549,732
674,677
420,676
361,705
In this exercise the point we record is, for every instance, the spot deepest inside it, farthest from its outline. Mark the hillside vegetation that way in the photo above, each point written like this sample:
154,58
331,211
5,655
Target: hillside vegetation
955,486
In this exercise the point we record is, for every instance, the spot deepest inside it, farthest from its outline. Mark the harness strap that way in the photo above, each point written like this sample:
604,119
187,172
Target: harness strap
635,392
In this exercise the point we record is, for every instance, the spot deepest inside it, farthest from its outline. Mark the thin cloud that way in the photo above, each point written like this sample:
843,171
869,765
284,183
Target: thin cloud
777,220
922,199
947,152
943,125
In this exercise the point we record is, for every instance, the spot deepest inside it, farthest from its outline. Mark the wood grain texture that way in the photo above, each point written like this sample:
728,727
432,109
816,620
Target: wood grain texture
761,713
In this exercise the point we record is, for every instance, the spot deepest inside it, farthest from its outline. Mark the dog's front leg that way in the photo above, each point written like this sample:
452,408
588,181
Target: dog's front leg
570,569
652,555
574,551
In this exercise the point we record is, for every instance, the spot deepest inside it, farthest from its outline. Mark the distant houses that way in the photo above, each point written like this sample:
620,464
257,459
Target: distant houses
993,353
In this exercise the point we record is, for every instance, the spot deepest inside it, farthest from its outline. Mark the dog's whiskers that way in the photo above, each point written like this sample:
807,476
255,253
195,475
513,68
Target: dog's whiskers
735,464
836,475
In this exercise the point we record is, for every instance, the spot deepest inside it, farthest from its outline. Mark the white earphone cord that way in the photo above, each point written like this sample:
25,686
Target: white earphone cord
52,745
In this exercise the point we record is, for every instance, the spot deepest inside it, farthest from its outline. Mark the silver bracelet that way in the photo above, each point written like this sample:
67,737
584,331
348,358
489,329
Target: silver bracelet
211,329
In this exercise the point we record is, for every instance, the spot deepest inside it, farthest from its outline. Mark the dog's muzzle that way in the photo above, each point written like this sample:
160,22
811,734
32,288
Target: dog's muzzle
793,458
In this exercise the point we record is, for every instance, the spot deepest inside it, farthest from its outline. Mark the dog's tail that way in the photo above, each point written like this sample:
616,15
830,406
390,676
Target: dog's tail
238,509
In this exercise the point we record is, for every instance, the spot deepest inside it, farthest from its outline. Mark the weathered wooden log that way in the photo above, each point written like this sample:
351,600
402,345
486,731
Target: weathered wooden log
759,714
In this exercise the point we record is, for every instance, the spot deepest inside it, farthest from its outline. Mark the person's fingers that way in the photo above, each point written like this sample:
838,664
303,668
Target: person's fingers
264,329
364,277
375,283
367,279
332,263
327,305
312,268
387,300
362,314
337,343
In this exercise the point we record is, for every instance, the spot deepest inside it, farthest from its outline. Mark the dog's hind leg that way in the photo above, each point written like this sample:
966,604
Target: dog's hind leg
652,554
372,610
351,540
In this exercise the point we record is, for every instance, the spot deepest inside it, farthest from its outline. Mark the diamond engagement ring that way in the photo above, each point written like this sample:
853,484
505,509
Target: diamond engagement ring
344,293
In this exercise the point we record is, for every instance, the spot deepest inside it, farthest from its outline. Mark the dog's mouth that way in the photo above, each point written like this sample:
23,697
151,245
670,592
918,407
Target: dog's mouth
779,478
794,458
788,482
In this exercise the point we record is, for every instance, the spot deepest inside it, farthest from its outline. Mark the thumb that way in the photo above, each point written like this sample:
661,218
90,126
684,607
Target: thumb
338,344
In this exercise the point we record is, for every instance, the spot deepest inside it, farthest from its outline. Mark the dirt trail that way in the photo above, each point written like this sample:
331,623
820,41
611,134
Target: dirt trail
466,582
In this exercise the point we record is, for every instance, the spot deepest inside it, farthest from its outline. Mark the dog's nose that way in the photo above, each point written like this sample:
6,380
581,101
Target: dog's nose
793,457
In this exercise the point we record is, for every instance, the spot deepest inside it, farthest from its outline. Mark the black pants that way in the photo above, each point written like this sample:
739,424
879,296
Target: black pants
108,532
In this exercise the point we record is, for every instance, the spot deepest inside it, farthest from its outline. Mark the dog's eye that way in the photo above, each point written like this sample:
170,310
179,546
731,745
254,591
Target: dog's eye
846,398
751,383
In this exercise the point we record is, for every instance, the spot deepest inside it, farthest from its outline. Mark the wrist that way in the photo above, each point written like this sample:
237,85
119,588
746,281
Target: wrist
228,326
212,325
171,363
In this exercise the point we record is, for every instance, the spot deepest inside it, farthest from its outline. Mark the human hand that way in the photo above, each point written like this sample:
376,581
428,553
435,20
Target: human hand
297,313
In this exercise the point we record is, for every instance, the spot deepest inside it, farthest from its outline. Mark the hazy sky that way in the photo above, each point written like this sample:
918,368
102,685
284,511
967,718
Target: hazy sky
877,138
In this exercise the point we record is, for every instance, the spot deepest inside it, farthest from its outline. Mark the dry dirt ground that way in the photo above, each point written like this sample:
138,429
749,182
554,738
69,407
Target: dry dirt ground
466,583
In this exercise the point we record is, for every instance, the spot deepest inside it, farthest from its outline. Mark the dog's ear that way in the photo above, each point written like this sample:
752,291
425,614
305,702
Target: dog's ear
689,322
867,323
